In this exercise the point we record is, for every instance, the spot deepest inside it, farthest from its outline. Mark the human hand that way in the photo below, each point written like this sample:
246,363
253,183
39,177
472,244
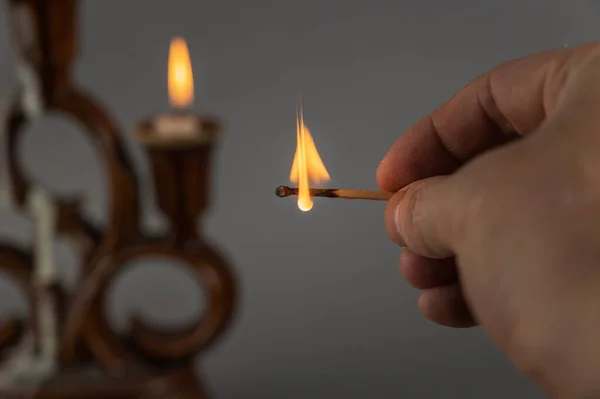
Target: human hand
499,212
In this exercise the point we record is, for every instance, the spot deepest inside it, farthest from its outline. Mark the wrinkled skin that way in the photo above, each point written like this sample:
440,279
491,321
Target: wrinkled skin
498,209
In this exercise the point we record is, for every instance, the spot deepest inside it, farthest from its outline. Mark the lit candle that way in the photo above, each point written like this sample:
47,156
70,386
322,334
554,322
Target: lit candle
179,124
180,128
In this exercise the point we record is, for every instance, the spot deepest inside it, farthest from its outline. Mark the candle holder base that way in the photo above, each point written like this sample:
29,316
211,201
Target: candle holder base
93,383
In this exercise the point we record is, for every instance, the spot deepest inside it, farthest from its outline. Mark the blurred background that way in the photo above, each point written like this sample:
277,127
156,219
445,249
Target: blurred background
324,312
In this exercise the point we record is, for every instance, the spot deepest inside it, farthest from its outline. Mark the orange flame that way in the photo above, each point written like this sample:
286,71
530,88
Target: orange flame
181,80
307,165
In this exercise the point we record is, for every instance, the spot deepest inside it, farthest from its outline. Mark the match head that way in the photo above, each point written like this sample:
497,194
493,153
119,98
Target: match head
283,191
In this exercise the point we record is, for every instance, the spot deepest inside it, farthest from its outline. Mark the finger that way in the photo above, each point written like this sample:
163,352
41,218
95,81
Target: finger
423,273
426,216
445,305
510,100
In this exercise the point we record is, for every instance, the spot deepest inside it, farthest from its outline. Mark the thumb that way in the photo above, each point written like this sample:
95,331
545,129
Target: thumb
425,216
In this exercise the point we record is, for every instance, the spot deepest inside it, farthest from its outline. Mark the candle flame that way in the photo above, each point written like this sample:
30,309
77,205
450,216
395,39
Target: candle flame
307,166
181,80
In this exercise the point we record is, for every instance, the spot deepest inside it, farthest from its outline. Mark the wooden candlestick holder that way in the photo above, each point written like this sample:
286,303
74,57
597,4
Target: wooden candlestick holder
95,361
181,173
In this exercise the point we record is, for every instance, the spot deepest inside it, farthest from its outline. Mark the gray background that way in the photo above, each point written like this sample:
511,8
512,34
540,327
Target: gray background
324,312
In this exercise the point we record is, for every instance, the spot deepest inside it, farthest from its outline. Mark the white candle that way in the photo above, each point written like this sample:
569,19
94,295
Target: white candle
176,126
31,90
26,367
45,213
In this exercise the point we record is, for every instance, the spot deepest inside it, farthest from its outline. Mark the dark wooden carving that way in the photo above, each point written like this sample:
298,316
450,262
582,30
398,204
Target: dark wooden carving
98,362
17,264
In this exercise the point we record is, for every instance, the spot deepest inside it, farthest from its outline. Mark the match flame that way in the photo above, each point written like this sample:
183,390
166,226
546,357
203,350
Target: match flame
181,80
307,165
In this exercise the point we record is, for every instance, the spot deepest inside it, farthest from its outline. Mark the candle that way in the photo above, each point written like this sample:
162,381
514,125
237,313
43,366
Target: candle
181,95
180,127
176,126
35,359
45,212
25,33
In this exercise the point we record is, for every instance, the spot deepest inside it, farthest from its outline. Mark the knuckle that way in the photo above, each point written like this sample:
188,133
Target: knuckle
411,217
406,215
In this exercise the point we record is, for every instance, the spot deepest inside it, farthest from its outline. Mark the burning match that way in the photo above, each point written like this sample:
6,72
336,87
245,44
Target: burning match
308,167
285,191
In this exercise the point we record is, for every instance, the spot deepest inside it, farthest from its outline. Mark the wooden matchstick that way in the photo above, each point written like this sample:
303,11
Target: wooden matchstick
285,191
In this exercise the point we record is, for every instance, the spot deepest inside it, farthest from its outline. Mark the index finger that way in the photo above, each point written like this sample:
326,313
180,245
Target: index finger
509,101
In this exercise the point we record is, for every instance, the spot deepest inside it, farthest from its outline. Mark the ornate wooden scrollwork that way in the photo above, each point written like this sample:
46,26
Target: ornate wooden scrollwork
159,346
